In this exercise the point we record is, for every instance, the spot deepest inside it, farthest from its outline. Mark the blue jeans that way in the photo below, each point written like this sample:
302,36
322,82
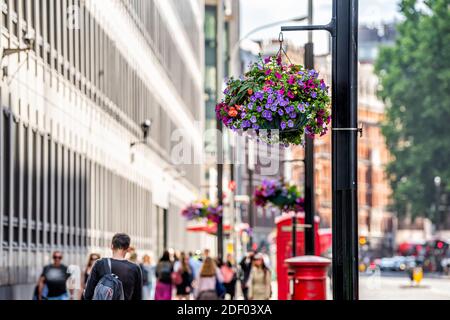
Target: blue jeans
147,292
64,296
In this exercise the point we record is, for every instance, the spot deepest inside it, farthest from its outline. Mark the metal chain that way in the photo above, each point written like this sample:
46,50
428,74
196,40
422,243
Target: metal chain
281,40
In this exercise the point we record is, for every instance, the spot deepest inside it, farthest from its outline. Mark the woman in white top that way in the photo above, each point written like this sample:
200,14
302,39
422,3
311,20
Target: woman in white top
259,283
206,281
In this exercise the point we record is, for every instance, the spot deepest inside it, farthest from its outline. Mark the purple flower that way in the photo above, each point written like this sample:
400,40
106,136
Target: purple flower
253,98
243,115
246,124
255,126
259,109
278,75
280,112
259,95
250,106
268,71
290,95
274,108
313,94
267,60
283,125
301,107
293,115
253,119
284,103
290,124
290,109
267,114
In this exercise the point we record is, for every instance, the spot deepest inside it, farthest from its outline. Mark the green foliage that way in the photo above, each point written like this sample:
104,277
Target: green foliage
415,78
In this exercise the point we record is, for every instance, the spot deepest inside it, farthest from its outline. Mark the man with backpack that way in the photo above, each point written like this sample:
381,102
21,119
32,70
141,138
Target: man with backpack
115,278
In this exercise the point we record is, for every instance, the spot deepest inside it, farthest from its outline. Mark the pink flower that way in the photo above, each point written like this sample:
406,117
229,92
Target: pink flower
278,75
290,95
291,80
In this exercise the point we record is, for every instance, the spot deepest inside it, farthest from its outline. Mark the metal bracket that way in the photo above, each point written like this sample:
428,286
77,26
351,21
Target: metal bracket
359,130
330,27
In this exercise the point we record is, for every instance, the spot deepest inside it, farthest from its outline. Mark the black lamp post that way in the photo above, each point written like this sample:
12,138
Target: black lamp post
294,218
344,31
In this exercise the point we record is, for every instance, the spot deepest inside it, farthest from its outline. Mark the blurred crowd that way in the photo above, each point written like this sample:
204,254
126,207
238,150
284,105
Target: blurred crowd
176,275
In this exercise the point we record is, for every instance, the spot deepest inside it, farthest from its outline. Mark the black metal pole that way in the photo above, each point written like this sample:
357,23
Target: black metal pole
344,149
165,229
294,235
251,218
219,125
220,203
344,31
309,155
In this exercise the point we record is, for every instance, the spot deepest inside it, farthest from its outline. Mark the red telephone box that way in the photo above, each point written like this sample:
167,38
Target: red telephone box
284,247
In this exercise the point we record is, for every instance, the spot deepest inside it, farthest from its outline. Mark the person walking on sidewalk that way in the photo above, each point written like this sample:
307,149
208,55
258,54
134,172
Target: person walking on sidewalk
259,283
54,278
228,270
163,272
148,271
184,289
128,273
246,266
208,281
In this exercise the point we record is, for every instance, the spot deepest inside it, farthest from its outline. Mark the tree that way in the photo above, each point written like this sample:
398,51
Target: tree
415,85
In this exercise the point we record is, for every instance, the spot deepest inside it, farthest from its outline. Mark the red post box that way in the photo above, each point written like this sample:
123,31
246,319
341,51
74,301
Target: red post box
308,276
284,247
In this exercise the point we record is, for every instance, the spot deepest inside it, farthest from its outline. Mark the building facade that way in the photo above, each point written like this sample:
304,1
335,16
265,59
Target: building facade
71,111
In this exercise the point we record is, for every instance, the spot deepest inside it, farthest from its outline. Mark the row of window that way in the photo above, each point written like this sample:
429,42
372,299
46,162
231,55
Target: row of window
53,197
91,61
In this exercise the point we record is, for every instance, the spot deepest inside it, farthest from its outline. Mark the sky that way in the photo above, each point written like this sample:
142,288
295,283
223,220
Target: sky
255,13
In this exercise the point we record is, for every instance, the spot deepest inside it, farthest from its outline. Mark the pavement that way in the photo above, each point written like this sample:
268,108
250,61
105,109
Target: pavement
399,287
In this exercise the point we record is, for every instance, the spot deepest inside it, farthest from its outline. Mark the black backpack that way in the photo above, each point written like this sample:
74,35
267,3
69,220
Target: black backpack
109,287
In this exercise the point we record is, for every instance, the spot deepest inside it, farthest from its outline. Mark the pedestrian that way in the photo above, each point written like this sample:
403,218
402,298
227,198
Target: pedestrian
207,281
128,273
260,280
54,277
133,257
245,268
163,272
148,271
228,270
184,289
195,264
88,269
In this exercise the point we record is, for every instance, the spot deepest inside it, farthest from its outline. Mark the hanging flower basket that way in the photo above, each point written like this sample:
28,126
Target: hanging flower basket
277,102
202,211
276,194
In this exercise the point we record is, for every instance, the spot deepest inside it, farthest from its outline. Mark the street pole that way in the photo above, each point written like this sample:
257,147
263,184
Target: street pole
166,229
251,218
219,126
344,31
345,158
309,154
